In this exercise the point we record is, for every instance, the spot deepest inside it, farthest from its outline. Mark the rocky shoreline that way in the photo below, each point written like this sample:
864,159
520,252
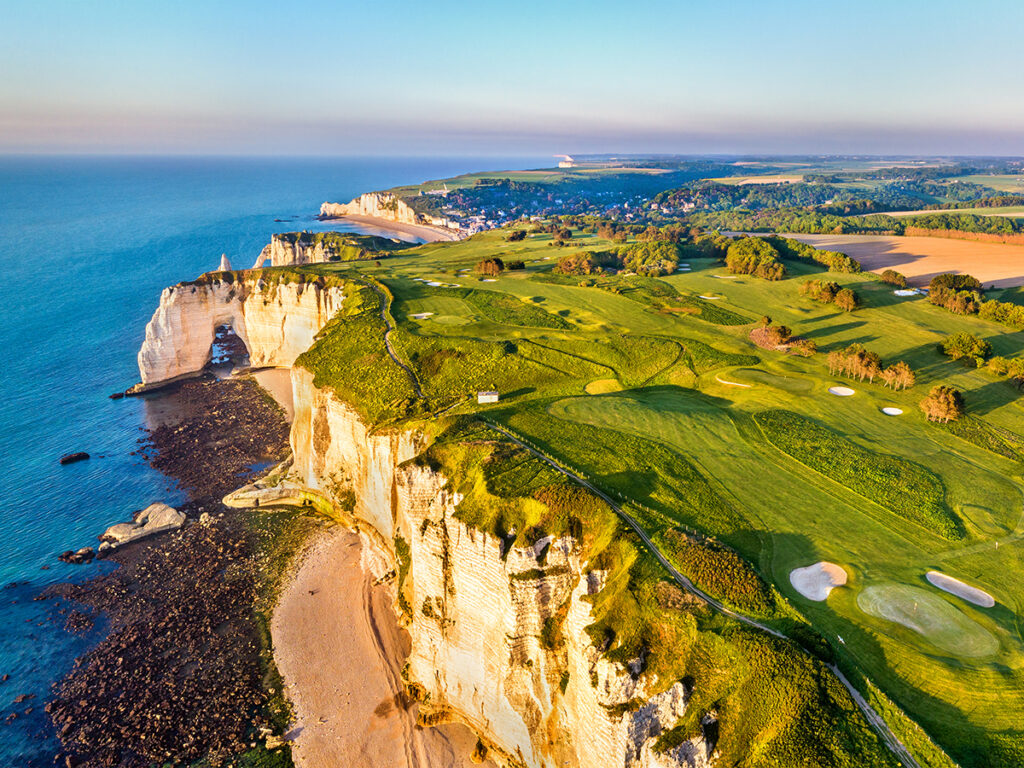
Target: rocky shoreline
180,675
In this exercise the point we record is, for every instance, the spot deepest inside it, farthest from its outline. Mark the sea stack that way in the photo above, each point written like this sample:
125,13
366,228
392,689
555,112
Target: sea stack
225,263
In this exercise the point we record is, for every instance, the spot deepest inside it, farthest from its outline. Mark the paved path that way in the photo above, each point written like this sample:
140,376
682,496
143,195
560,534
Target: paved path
876,720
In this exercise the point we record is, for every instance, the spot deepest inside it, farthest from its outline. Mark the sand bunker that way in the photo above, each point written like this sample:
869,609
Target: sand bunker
720,380
958,588
841,391
433,284
891,411
927,614
710,298
421,315
816,581
488,280
725,277
907,292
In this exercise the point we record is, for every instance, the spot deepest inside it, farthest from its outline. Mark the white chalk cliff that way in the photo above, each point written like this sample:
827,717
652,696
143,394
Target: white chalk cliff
276,320
475,617
384,205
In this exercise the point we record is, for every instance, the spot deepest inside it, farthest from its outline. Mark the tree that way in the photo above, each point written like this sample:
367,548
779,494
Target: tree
892,277
803,347
943,404
777,335
846,300
493,266
898,376
516,235
964,345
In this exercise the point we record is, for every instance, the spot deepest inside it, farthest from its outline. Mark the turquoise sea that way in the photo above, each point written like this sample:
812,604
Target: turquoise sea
86,246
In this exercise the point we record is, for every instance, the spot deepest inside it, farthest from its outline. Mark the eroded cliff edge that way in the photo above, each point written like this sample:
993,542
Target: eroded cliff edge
276,315
480,612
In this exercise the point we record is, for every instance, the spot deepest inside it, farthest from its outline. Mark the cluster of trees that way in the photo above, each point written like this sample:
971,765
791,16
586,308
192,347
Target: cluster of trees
960,294
856,362
652,258
586,262
754,256
828,292
493,266
892,277
833,260
943,404
1003,312
1013,368
966,346
613,230
516,235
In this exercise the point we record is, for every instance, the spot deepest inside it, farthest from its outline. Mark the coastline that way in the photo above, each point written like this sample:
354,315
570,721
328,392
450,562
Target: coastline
340,651
423,232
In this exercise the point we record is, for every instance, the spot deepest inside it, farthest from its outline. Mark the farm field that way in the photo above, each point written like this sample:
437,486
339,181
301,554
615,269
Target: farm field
921,258
675,412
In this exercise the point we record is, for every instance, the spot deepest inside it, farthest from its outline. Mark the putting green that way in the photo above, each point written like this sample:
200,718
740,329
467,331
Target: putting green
931,617
794,384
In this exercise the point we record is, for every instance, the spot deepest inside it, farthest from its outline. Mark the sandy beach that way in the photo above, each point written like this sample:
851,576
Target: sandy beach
372,225
340,650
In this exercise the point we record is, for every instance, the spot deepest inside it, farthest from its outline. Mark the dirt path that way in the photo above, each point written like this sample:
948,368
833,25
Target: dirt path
340,650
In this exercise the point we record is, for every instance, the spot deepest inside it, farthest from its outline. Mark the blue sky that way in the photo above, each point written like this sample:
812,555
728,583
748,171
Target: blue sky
527,77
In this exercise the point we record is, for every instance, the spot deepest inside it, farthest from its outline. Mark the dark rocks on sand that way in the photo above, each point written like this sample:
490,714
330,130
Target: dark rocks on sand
71,458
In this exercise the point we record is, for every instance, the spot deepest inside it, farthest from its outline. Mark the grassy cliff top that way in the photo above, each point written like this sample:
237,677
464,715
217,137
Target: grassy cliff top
654,389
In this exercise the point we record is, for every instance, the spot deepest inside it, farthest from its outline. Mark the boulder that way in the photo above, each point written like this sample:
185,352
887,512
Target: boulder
155,518
71,458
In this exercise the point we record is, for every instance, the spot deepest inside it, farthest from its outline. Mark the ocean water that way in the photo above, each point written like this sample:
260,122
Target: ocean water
86,246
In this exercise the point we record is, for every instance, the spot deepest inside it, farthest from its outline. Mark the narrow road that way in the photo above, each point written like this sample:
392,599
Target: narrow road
876,720
387,340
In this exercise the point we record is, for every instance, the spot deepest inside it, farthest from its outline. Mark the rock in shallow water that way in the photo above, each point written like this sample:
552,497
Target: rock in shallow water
71,458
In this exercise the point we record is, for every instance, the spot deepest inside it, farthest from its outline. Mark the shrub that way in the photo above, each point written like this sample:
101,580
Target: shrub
516,265
943,404
720,572
803,347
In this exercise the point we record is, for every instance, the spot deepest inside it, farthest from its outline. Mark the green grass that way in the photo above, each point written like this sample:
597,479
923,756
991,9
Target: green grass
651,292
688,450
929,616
349,357
775,705
903,487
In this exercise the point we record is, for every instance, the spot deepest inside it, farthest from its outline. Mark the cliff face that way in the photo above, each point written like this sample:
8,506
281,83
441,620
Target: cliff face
276,320
284,253
477,615
382,205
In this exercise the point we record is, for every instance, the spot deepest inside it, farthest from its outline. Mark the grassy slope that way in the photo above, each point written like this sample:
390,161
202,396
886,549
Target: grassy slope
689,432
